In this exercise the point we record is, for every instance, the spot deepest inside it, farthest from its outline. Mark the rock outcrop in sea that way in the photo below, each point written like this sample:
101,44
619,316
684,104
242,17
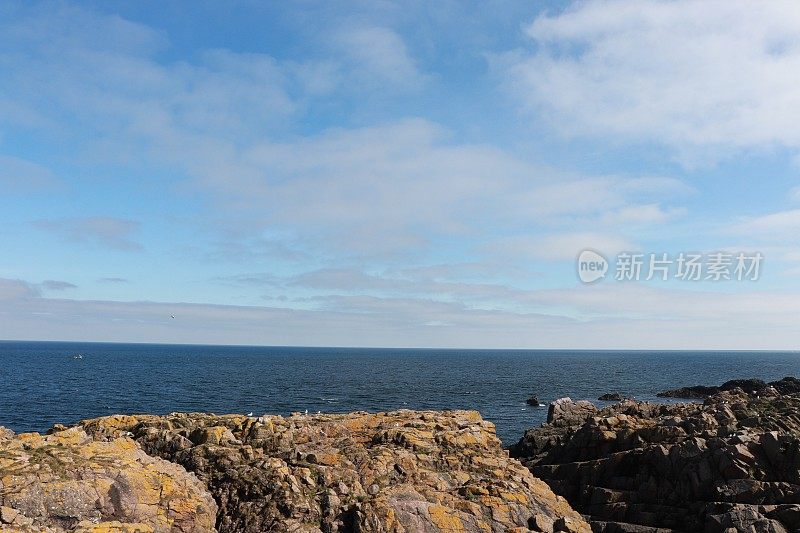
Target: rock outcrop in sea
729,464
611,397
403,471
757,387
533,400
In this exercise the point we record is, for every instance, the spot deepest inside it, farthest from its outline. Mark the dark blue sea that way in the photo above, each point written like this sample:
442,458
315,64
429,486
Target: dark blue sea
42,383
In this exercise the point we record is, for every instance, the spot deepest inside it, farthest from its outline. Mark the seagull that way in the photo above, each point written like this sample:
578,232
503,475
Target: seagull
306,411
250,413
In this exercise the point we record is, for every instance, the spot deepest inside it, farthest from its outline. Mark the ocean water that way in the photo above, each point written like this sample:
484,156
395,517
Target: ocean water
41,383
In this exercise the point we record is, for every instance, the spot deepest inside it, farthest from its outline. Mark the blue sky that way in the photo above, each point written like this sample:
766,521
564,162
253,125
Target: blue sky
396,173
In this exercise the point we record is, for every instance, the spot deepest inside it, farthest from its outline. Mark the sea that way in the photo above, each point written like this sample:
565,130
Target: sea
43,383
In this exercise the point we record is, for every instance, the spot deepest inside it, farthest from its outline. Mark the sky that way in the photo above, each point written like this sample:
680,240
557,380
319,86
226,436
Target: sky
399,173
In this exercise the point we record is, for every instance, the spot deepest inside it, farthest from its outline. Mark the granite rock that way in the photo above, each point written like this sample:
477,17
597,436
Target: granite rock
402,471
67,481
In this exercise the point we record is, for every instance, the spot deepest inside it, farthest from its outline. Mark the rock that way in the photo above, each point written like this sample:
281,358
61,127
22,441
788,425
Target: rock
565,412
67,481
689,393
787,385
564,416
539,522
401,471
743,518
533,400
731,463
566,525
752,386
611,397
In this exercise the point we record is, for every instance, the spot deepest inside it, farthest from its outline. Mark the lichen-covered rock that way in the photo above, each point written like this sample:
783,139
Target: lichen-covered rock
403,471
66,481
729,464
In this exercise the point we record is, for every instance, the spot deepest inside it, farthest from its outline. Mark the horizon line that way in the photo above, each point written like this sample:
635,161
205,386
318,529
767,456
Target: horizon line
341,347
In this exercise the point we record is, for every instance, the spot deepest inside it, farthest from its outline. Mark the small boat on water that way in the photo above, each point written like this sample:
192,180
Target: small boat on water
77,356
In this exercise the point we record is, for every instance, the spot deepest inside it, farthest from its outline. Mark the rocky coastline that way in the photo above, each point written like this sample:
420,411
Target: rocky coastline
730,463
403,471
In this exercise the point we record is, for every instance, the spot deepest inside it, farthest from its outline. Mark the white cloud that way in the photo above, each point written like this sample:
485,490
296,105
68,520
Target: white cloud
345,196
641,214
56,285
387,189
558,246
637,301
606,199
108,232
111,83
603,316
396,187
388,284
55,27
486,270
782,225
15,289
380,57
683,73
19,175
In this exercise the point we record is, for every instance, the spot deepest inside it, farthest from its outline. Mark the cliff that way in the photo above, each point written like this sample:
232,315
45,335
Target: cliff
404,471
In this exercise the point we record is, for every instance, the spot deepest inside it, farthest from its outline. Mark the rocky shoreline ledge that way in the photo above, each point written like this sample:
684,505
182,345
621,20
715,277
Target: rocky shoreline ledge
731,463
728,464
402,471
